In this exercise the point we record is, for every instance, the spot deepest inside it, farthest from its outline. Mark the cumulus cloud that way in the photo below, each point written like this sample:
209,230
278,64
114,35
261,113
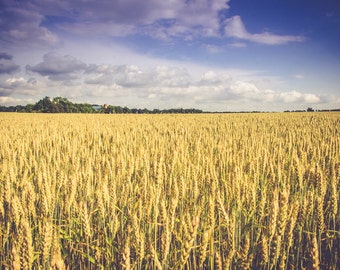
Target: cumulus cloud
122,75
183,20
212,78
164,83
157,86
160,19
245,90
58,67
7,66
234,27
36,22
11,101
170,76
242,90
21,24
12,83
133,76
19,85
5,56
295,96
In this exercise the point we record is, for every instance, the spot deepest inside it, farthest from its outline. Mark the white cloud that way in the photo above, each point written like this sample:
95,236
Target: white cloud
20,86
295,97
235,28
170,76
311,98
132,76
240,87
157,86
299,76
175,85
10,101
15,82
212,78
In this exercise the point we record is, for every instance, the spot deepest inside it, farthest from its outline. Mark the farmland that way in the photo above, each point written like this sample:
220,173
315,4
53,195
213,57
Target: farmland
208,191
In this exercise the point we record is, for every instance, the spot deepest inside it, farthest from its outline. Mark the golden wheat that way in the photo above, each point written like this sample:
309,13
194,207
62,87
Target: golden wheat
204,191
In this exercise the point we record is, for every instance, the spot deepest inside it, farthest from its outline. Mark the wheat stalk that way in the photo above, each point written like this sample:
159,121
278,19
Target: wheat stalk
26,245
314,254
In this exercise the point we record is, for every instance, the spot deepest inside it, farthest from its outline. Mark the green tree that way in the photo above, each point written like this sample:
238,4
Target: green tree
44,105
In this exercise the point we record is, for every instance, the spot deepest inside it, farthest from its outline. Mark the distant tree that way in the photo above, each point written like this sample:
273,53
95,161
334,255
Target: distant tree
310,109
62,105
85,108
43,105
20,108
118,109
29,107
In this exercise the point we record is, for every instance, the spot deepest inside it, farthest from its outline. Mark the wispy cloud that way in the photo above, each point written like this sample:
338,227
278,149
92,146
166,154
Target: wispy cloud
212,48
299,76
235,28
237,45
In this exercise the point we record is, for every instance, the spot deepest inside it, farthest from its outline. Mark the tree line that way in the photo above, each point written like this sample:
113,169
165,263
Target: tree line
63,105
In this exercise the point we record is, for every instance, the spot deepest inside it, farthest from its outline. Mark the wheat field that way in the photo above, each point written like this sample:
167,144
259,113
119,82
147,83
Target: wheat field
207,191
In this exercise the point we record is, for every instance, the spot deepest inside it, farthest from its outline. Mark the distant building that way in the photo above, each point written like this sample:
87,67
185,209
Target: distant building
96,107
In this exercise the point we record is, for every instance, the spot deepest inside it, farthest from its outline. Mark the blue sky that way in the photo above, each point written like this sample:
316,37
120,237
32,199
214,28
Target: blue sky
212,55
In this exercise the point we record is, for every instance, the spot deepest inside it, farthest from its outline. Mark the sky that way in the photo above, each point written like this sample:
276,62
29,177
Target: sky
214,55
